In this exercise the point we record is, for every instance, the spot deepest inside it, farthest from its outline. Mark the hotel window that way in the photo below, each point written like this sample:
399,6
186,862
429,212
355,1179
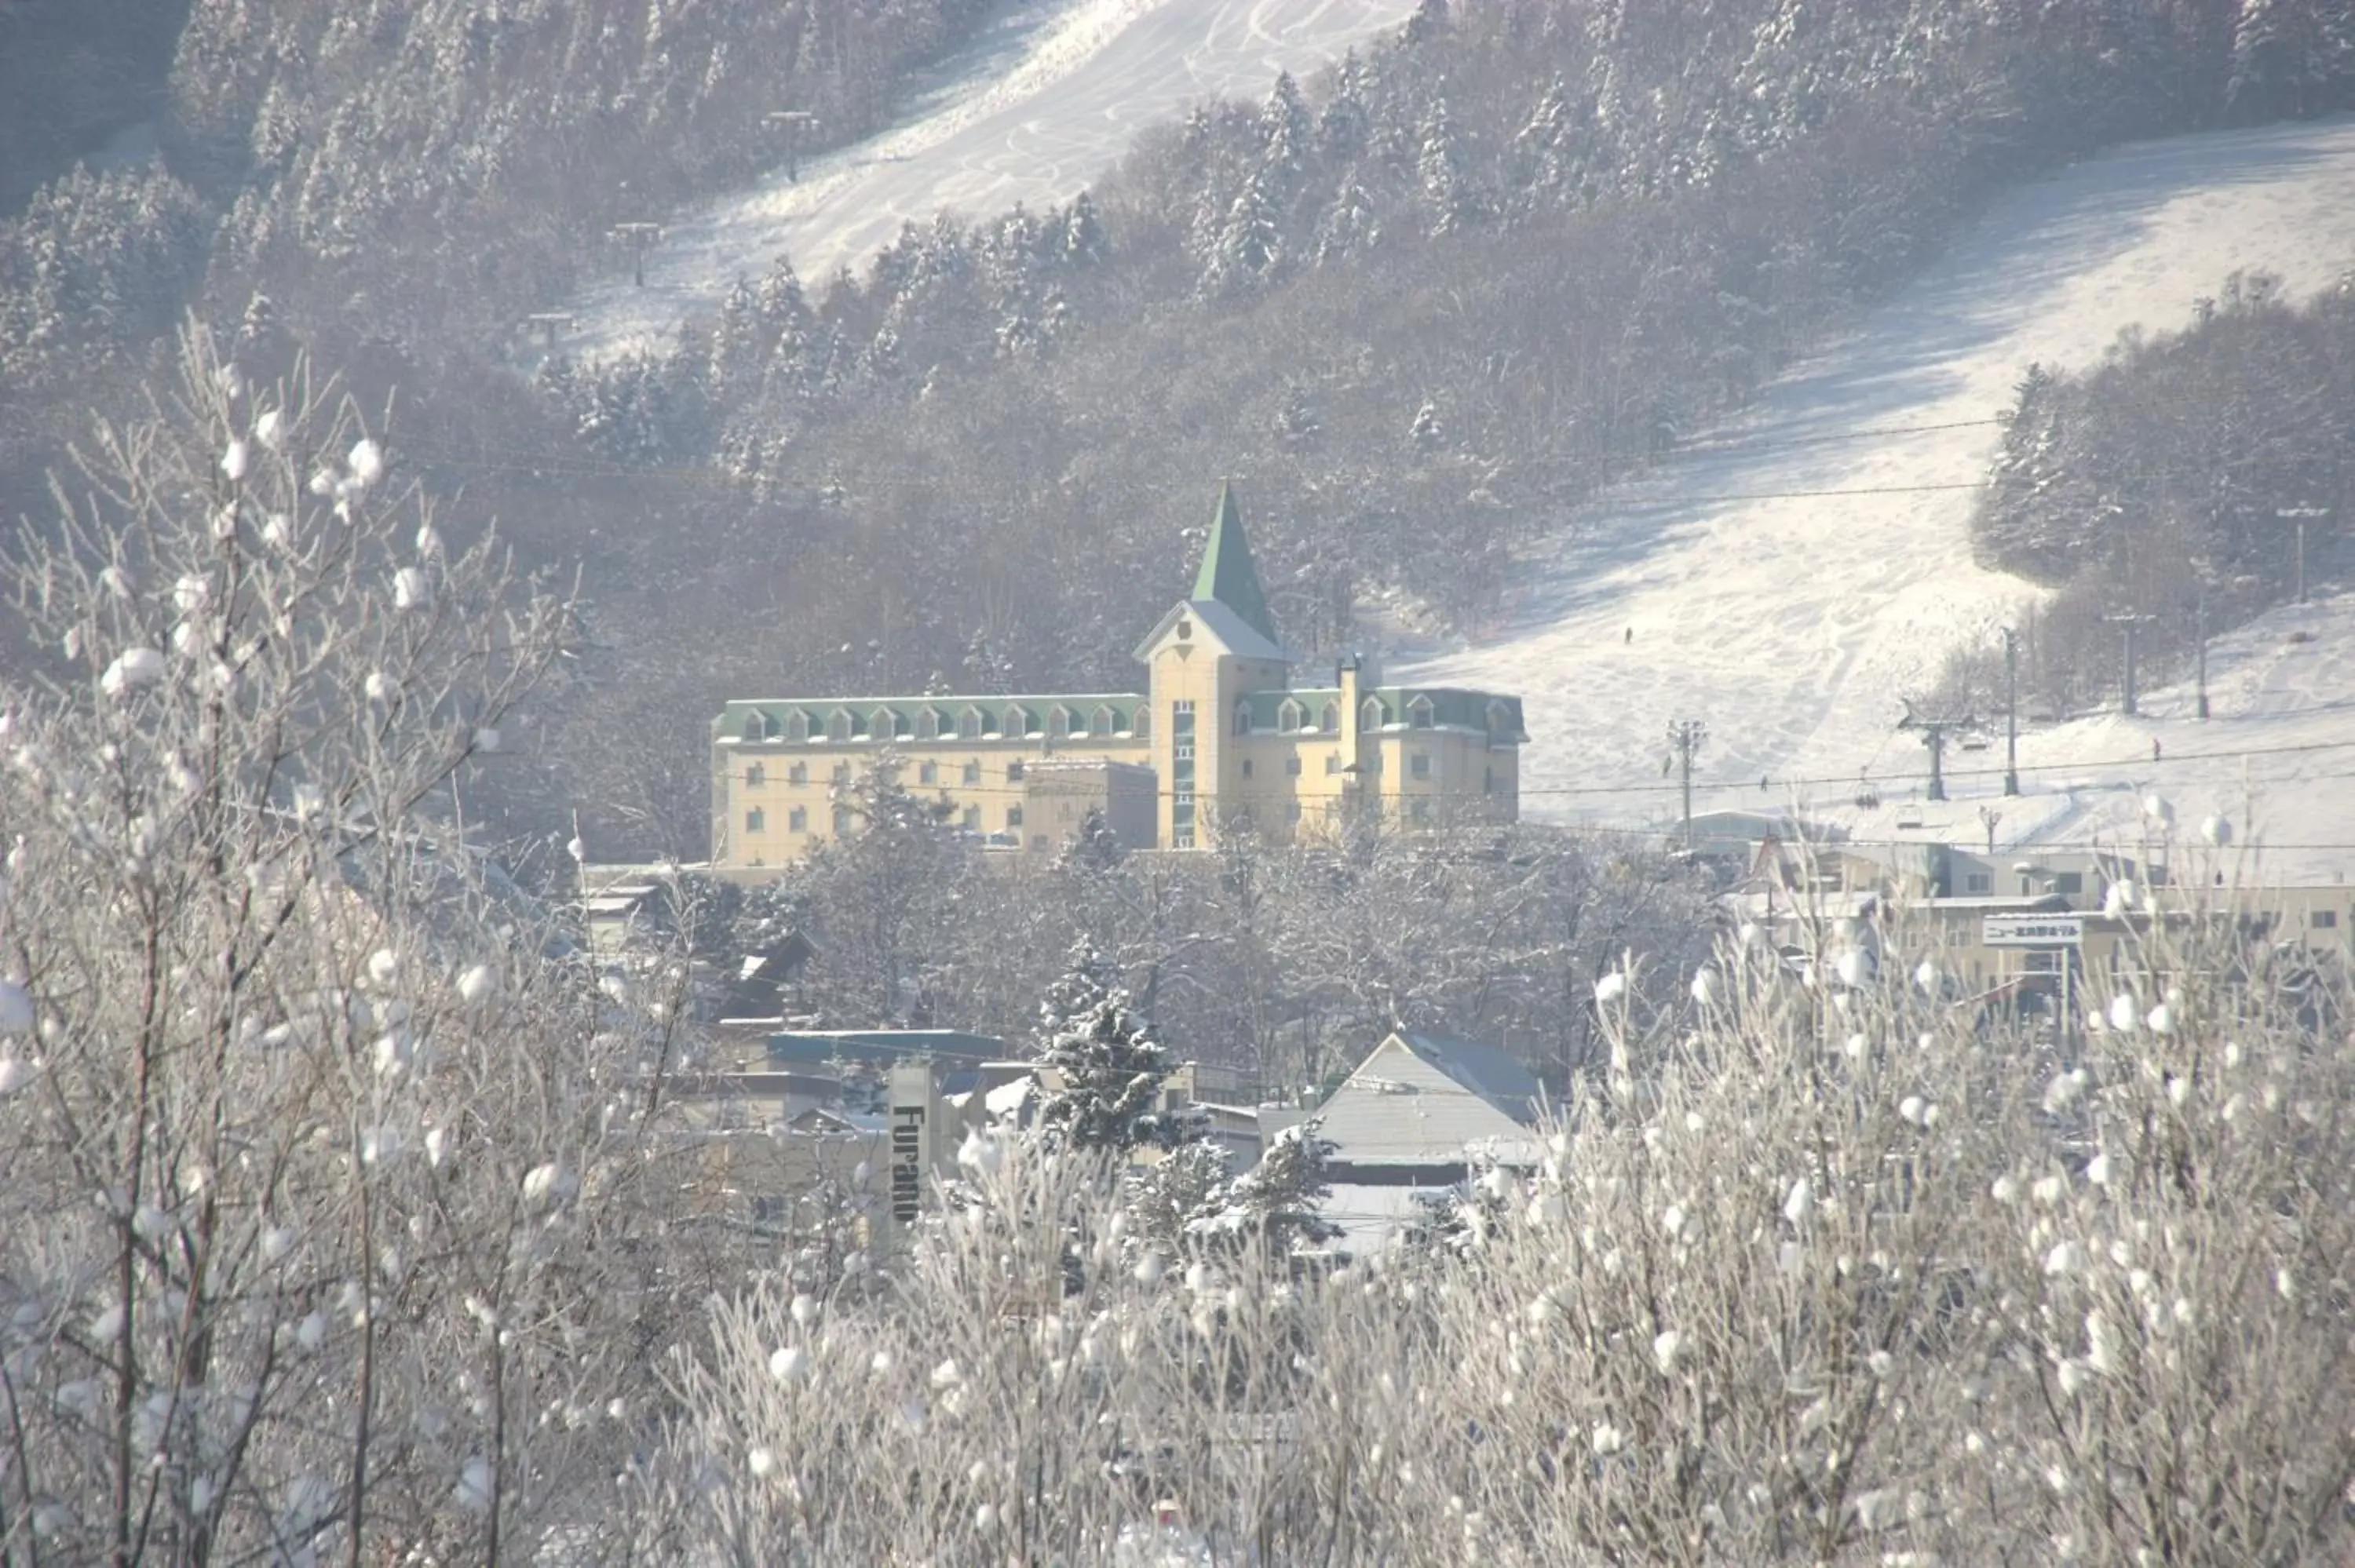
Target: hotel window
2322,919
755,776
797,774
755,821
928,725
1247,766
928,773
1978,881
1058,724
1243,717
1287,717
969,724
972,772
797,726
842,822
1291,767
1370,717
972,818
1103,723
1014,772
1419,712
756,726
1418,765
1332,763
798,819
838,728
1017,722
1013,816
842,773
1292,812
1330,723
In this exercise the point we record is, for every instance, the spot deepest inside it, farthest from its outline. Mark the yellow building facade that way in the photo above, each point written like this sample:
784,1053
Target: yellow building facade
1221,738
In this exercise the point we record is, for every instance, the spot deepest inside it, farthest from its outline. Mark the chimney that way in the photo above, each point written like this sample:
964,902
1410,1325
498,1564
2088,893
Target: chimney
1346,677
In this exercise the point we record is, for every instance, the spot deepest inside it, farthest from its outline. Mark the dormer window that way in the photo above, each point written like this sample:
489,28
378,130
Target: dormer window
756,725
837,726
1287,717
1103,722
928,724
1500,720
1419,714
969,724
1017,722
1243,717
1059,723
884,725
1330,720
797,726
1370,717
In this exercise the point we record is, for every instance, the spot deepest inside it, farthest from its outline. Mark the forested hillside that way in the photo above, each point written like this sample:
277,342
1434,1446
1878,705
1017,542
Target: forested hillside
1421,306
423,173
2196,477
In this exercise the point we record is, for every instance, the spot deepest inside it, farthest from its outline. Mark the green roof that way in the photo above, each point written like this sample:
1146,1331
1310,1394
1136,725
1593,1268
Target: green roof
1227,574
871,720
1451,708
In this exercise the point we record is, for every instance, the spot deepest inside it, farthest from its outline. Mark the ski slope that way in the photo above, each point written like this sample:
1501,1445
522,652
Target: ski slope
1043,103
1789,578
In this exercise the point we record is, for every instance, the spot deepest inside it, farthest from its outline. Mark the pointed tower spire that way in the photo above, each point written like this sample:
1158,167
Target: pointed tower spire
1227,574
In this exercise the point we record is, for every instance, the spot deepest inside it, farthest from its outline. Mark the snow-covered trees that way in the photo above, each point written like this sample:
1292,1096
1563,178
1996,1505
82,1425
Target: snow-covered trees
1109,1068
2178,474
329,1206
1836,1275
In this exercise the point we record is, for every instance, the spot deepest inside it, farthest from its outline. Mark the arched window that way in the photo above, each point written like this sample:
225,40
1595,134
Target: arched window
1059,723
837,726
1500,720
1287,717
1419,712
969,724
1330,720
1370,717
1140,723
883,725
756,725
797,726
1017,722
1243,716
928,724
1103,723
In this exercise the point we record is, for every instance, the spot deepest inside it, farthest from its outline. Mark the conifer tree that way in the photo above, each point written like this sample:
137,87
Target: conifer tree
1112,1067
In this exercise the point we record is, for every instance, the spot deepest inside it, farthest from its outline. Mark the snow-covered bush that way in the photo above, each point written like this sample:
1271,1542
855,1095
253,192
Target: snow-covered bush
329,1220
1813,1273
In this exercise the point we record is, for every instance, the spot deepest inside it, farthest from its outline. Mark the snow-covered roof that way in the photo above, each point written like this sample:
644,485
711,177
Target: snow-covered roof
1428,1100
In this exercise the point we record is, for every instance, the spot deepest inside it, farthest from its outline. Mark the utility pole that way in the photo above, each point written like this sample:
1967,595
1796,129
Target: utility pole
2199,638
2299,515
2131,625
1934,735
640,237
1989,817
2010,712
1687,735
791,122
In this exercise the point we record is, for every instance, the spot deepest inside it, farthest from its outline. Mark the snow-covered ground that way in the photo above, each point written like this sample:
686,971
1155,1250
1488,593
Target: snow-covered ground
1039,108
1790,622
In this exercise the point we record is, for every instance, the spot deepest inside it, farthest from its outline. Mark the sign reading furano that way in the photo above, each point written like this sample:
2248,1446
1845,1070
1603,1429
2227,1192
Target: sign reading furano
2034,931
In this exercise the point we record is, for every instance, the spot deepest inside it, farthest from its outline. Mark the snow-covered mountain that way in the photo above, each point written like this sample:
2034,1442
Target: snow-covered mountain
1786,579
1038,108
